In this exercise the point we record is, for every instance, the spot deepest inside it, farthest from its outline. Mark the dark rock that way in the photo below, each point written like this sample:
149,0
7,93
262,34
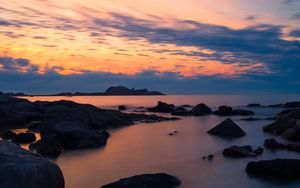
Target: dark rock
122,107
7,134
47,147
75,135
180,111
162,107
121,90
227,128
24,138
160,180
275,145
275,105
186,106
254,105
241,151
259,150
228,111
210,157
35,126
257,119
171,134
201,109
20,168
282,169
292,104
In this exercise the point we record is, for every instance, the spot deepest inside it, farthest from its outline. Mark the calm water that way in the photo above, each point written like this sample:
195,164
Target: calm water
147,148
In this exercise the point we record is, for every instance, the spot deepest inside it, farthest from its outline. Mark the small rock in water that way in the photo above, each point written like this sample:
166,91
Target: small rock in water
171,134
122,107
210,157
24,138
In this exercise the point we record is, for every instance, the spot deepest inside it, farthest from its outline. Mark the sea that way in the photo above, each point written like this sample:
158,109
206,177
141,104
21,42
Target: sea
148,148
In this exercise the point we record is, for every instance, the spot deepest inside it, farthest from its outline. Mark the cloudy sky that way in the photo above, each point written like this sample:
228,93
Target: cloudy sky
175,46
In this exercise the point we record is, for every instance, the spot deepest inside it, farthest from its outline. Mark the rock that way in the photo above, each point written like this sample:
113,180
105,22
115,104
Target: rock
35,126
278,168
275,105
227,128
180,111
285,125
228,111
186,106
160,180
122,107
75,135
201,109
20,168
241,151
273,144
210,157
121,90
24,138
254,105
162,107
47,148
7,134
259,151
292,104
171,134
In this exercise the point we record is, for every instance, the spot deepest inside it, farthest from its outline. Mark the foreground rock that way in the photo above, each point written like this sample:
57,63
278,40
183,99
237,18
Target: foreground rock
278,168
49,147
242,151
20,168
162,107
24,138
227,128
160,180
287,125
7,135
200,110
229,111
275,145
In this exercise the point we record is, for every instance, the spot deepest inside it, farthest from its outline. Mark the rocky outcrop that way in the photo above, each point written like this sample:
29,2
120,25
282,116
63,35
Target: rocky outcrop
227,128
121,90
242,151
160,180
229,111
162,107
180,111
287,125
122,107
7,134
282,169
200,110
20,168
273,144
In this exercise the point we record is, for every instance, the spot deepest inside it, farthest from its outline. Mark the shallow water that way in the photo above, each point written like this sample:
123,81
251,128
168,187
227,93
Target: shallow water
147,148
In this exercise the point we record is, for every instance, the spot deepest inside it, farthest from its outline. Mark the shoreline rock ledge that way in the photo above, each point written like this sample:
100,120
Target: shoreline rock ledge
20,168
159,180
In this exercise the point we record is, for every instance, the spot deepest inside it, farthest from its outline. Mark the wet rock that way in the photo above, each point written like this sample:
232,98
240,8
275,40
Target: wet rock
241,151
35,126
210,157
160,180
227,128
275,145
24,138
7,134
20,168
278,168
122,107
162,107
47,147
180,111
229,111
292,104
201,109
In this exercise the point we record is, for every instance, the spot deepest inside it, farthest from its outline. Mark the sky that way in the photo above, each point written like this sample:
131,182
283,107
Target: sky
174,46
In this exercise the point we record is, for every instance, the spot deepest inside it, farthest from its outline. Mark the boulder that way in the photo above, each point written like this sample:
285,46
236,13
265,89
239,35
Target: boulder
162,107
7,134
35,126
201,109
121,107
160,180
49,147
229,111
273,144
241,151
180,111
24,138
20,168
282,169
227,128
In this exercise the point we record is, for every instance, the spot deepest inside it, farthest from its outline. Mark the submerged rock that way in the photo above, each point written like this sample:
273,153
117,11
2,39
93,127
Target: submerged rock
20,168
24,138
242,151
227,128
160,180
277,168
201,109
162,107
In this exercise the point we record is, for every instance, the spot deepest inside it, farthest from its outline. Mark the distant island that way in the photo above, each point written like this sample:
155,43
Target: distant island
112,91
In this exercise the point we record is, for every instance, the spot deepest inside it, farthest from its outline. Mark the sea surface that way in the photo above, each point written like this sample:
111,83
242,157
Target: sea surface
147,148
